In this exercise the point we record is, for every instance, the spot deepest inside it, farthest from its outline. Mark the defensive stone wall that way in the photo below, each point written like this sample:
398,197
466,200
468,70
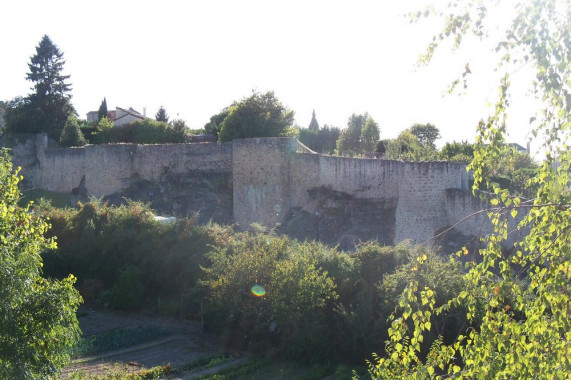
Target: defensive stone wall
110,168
270,177
271,181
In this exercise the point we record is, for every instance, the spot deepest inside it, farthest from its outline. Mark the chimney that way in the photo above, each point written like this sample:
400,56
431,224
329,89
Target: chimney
528,148
144,111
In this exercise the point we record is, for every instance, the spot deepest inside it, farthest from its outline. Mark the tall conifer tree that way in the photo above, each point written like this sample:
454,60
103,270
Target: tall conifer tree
49,106
313,125
102,112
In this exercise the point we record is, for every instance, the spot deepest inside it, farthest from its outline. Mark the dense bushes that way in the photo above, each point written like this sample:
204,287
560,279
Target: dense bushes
264,289
125,252
140,132
262,292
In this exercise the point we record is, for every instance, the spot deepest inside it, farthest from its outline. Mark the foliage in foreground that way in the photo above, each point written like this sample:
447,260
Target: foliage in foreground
37,316
525,329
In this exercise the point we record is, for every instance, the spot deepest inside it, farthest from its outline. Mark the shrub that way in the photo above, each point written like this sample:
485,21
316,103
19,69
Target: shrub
127,292
265,290
71,135
99,243
149,132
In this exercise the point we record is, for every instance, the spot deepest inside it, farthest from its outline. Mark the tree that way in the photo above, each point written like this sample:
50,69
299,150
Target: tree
215,123
46,70
526,310
102,111
427,134
104,131
322,140
48,107
313,125
457,151
162,115
259,115
407,147
360,136
369,136
37,316
179,131
71,134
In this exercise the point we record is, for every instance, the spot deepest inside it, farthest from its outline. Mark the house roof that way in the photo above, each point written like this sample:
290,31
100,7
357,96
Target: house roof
128,112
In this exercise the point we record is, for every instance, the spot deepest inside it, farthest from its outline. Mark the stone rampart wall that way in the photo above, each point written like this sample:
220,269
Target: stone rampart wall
267,179
112,168
270,177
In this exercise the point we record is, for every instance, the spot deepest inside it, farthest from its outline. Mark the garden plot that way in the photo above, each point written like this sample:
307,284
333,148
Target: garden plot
134,343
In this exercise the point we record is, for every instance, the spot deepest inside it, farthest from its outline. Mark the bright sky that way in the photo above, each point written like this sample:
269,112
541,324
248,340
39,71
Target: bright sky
196,57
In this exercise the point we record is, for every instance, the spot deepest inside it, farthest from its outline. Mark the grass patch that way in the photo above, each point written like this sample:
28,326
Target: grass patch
235,372
116,339
123,373
206,362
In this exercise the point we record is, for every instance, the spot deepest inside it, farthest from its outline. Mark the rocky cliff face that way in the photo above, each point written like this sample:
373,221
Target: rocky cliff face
208,196
341,218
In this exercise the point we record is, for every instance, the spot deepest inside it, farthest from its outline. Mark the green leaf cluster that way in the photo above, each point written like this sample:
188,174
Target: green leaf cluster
37,315
71,134
49,106
295,292
146,131
259,115
321,140
360,136
525,326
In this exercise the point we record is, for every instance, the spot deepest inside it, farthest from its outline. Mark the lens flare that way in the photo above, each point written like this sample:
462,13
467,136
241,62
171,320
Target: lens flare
258,290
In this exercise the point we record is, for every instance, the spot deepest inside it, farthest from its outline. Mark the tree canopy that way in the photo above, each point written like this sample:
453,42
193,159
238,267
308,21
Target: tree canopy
427,134
102,111
322,140
313,124
46,68
360,136
259,115
71,134
162,115
37,316
48,107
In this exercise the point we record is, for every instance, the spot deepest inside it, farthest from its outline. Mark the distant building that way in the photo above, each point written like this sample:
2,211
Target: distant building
123,116
92,116
119,116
